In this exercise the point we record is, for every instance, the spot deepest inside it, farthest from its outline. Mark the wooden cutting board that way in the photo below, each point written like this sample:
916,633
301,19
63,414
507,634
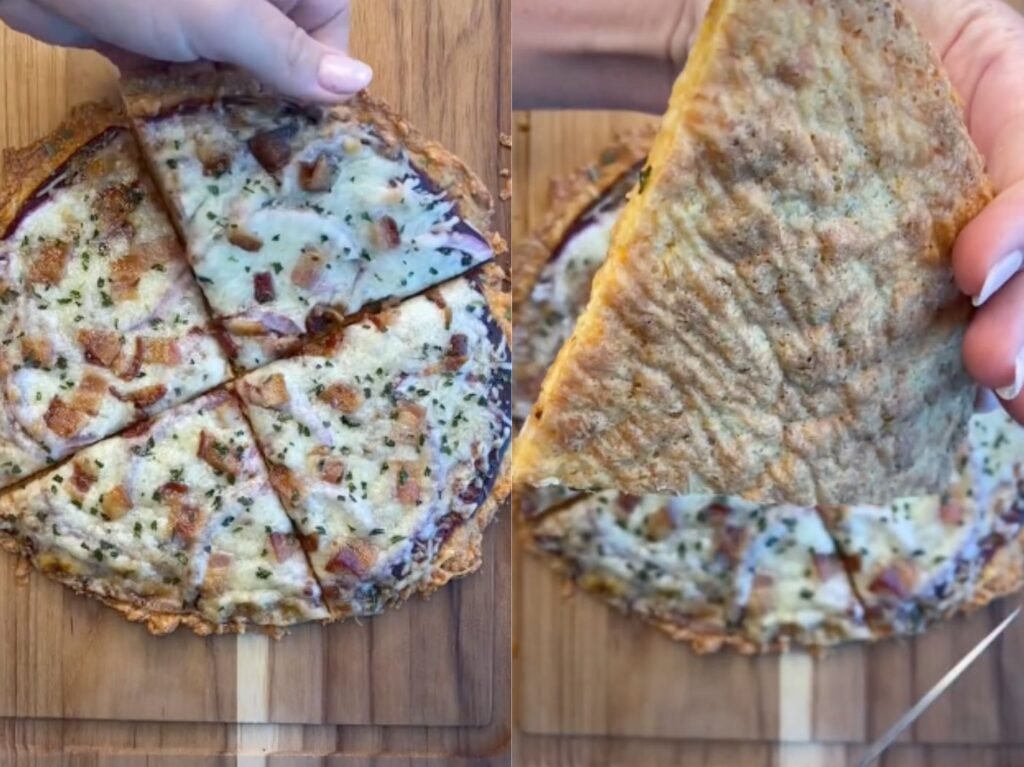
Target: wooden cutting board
595,688
425,684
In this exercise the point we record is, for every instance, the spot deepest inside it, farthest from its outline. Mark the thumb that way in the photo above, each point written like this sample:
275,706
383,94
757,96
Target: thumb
271,46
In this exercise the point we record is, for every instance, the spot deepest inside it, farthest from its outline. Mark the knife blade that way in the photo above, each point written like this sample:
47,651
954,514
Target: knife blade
875,749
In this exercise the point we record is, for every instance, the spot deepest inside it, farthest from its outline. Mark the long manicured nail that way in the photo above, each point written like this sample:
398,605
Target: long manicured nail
998,275
341,74
1011,392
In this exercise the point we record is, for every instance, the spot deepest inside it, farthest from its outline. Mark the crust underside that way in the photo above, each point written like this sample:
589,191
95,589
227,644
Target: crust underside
29,168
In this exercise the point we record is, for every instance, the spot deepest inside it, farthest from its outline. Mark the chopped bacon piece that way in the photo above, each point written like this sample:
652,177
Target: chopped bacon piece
310,542
317,176
215,161
48,264
658,526
83,477
245,327
331,470
285,546
186,521
137,430
116,503
342,397
730,540
129,365
354,558
159,351
386,235
285,483
407,486
242,238
410,422
219,560
435,297
62,420
102,347
309,268
827,566
173,492
114,203
163,250
221,457
272,149
263,287
455,356
37,350
270,392
125,276
142,398
951,513
896,580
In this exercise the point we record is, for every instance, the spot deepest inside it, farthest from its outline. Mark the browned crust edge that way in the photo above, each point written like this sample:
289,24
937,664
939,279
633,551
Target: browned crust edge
569,196
28,168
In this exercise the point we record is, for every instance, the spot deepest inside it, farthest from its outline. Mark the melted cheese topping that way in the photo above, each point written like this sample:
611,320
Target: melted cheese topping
95,257
369,229
383,447
177,516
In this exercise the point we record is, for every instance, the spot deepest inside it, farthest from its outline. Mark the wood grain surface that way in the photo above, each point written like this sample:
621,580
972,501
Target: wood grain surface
426,684
597,689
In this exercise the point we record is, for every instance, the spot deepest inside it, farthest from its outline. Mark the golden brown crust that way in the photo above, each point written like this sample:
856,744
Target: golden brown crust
28,168
777,316
568,198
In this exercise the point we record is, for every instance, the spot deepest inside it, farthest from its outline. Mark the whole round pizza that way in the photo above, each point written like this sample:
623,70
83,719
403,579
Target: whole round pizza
719,571
256,364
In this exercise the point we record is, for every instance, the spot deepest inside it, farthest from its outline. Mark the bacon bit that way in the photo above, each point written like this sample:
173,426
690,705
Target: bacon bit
173,492
410,421
271,392
88,397
730,540
355,558
129,366
407,486
37,351
342,397
263,287
310,542
63,420
243,238
317,176
125,276
102,347
272,149
435,297
114,203
386,235
896,580
245,327
116,503
309,268
82,479
216,162
286,484
284,546
951,513
219,560
827,566
660,524
159,351
332,470
455,356
219,455
139,429
49,264
186,521
142,398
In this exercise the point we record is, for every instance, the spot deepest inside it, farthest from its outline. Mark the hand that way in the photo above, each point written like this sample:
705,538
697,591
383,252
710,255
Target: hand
982,47
296,46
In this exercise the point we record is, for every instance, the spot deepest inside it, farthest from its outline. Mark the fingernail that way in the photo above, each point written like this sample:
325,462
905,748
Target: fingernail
997,276
341,74
1011,392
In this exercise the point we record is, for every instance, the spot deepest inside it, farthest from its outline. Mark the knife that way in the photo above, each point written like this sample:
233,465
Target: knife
875,749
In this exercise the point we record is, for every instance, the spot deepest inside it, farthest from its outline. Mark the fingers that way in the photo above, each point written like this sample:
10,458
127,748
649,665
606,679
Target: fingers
326,20
994,341
44,25
990,249
281,53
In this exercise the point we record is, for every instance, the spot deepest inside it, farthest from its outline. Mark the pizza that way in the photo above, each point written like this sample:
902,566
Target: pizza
173,522
387,441
722,572
295,215
101,323
138,468
777,316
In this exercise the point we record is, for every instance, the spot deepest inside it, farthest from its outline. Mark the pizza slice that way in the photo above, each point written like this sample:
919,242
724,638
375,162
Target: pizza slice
171,523
101,323
387,441
777,317
918,560
712,571
294,214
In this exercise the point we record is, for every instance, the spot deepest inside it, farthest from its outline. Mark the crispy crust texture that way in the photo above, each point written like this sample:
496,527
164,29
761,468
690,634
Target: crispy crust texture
568,198
734,344
28,168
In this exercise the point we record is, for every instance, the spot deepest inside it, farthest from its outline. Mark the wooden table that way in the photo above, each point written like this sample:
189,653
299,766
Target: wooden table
425,685
594,689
